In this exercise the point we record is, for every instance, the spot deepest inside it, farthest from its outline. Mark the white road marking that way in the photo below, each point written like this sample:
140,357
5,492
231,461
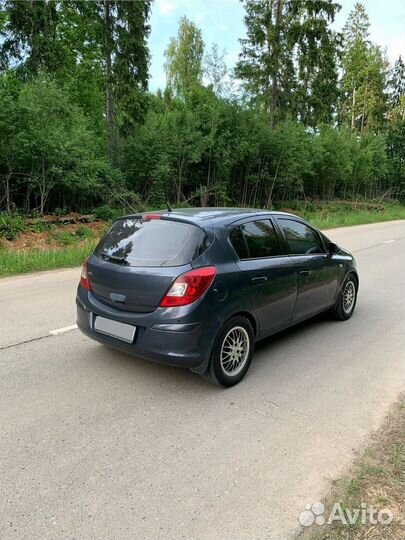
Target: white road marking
389,241
63,330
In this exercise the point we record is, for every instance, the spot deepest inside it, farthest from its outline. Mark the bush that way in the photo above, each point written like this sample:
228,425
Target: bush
83,232
11,226
39,227
64,238
60,211
105,213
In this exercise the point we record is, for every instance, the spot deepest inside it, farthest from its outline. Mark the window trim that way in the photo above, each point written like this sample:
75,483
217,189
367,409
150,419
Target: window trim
239,224
301,222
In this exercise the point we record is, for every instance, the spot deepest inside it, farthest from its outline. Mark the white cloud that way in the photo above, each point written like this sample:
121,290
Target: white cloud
166,7
200,16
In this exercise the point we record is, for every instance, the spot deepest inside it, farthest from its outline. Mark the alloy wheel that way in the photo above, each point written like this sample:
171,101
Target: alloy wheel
349,296
235,350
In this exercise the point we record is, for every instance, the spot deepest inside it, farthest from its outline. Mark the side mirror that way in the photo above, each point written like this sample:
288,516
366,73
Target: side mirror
333,248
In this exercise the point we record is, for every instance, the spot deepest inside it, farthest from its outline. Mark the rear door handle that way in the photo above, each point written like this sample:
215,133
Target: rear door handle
305,272
259,279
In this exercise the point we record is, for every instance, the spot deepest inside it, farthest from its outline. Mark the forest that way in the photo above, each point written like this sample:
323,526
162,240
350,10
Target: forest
307,113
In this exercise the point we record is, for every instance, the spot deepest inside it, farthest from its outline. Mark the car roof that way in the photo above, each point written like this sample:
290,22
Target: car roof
205,215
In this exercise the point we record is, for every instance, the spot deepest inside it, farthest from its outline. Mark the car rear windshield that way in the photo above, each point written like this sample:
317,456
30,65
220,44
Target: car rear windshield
135,242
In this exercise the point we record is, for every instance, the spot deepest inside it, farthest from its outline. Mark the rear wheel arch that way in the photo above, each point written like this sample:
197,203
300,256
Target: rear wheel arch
217,371
201,370
249,317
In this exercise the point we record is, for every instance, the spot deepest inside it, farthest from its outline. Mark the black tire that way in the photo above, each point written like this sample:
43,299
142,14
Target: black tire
217,373
341,311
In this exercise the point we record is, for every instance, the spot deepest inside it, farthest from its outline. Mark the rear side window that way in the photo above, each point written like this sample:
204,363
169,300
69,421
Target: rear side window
301,239
255,239
239,244
135,242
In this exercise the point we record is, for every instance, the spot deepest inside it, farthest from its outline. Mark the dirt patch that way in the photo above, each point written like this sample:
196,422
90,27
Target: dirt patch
55,236
67,218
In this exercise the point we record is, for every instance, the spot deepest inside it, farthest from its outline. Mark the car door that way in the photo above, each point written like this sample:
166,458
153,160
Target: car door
317,271
267,276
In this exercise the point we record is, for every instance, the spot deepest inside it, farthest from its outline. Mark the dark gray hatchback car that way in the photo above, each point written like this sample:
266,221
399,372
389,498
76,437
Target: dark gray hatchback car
198,287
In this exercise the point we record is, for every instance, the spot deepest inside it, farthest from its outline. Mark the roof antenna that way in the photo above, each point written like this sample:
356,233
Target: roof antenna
168,206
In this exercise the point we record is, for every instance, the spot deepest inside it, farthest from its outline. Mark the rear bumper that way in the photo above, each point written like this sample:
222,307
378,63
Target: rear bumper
183,342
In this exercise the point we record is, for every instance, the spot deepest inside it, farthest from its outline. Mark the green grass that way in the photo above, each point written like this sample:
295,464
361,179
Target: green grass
332,220
84,233
331,215
22,262
323,215
64,238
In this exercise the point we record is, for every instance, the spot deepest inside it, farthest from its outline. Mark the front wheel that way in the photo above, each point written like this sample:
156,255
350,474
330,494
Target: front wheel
232,352
346,302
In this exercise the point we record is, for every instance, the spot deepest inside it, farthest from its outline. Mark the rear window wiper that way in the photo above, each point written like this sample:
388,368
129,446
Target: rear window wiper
121,260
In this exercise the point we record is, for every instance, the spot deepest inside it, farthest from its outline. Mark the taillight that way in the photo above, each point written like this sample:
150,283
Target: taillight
84,277
149,217
189,287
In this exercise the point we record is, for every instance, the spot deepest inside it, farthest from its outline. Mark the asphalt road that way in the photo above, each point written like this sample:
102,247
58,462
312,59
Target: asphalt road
99,445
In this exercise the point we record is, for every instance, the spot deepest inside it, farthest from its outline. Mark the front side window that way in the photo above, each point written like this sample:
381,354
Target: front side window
301,239
255,240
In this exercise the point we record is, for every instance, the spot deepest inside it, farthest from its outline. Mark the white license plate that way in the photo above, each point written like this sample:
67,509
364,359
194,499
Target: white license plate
122,331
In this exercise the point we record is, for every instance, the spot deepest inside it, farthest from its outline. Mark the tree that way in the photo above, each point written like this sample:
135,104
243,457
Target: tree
73,90
357,26
316,51
131,61
364,76
9,116
101,44
396,83
288,60
31,37
265,63
49,143
395,149
184,56
3,19
216,71
122,30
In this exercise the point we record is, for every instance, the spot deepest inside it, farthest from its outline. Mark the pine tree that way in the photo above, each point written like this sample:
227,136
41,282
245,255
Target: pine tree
288,60
32,41
396,82
357,25
265,62
316,50
123,32
364,76
131,60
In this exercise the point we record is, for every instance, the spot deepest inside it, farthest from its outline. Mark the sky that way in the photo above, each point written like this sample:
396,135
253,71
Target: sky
221,22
